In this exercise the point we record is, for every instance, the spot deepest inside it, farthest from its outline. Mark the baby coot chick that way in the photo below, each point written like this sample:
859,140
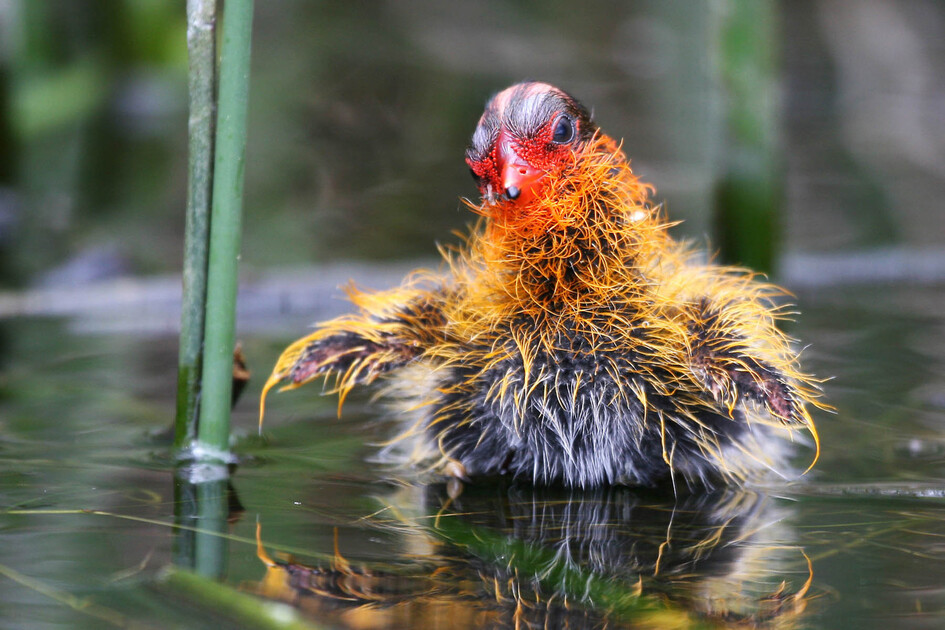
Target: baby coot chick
571,340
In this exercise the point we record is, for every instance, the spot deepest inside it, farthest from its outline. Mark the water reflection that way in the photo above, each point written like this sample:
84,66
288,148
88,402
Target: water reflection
203,512
509,555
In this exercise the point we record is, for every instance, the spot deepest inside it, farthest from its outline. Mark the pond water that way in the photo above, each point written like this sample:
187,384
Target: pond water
93,517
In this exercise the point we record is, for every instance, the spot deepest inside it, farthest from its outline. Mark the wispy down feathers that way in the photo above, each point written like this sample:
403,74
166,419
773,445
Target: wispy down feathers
572,340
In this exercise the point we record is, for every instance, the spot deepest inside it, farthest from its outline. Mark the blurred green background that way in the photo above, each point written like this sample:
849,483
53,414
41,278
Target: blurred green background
360,112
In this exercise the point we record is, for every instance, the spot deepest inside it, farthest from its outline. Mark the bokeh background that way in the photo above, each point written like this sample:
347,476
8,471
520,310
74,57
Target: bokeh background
360,112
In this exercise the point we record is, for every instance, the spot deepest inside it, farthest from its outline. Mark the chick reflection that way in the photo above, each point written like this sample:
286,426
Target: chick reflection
514,556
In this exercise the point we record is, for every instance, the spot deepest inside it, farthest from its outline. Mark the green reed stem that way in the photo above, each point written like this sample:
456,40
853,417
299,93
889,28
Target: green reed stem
219,332
201,41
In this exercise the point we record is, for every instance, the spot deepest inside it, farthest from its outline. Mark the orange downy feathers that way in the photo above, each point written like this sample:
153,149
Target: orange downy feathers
571,339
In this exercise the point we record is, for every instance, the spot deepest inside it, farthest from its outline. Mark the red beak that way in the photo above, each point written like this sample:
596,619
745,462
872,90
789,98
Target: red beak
519,178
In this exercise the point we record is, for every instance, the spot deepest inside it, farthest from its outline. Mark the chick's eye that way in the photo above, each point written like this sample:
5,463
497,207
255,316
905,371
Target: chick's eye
564,130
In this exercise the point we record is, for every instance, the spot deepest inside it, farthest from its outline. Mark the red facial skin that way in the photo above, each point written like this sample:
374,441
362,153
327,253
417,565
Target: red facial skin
517,173
520,164
523,159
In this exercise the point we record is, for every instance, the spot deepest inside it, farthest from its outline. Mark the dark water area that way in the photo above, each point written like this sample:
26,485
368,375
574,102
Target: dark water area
93,515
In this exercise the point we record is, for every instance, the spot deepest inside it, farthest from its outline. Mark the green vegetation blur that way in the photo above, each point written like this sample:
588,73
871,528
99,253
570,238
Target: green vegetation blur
359,116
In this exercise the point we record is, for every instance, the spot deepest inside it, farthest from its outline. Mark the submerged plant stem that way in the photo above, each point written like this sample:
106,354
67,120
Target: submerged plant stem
223,599
79,604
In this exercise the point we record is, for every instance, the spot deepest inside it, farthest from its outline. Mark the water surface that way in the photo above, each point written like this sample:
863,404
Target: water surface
93,514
